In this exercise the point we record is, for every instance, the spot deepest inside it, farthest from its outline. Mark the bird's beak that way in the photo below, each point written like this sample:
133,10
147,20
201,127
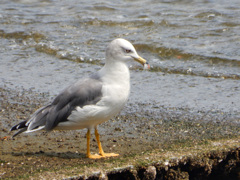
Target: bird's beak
140,60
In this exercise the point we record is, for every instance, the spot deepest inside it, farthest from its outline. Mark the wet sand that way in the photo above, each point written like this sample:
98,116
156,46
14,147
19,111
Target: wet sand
140,138
182,117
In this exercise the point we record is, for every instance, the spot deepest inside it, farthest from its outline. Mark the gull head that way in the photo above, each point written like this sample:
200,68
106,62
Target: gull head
122,50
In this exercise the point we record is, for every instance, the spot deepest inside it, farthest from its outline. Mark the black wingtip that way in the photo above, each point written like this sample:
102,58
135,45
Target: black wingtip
19,126
19,132
22,126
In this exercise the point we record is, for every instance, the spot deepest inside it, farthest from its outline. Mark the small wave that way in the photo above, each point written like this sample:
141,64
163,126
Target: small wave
111,23
192,72
175,61
64,54
20,35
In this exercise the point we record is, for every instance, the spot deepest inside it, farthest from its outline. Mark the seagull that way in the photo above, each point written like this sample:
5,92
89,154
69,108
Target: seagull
89,101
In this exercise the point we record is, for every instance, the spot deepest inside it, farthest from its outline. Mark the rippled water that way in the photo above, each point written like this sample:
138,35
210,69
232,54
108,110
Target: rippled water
192,46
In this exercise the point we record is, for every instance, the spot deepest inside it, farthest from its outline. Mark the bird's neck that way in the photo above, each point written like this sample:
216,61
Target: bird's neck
118,72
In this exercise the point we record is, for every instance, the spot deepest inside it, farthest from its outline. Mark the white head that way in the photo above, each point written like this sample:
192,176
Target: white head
122,50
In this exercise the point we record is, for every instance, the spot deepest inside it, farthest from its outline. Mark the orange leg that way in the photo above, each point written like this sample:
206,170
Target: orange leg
89,155
102,154
100,146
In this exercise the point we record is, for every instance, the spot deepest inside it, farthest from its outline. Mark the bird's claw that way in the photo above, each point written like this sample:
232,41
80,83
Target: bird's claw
105,155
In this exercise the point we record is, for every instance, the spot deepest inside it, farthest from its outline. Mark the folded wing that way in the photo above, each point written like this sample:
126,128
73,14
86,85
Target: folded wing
82,93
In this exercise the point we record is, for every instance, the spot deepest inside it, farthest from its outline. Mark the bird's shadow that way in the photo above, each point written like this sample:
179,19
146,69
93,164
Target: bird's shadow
64,155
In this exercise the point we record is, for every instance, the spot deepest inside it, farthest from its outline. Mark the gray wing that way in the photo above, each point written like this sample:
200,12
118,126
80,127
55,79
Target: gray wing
86,92
83,92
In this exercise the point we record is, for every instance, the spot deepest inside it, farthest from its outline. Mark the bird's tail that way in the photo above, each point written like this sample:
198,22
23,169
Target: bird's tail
22,126
35,123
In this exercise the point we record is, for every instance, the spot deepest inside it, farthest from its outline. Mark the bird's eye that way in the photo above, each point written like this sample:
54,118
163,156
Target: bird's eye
127,50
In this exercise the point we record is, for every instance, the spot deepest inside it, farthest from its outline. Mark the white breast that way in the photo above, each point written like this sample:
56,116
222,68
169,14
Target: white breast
116,89
115,92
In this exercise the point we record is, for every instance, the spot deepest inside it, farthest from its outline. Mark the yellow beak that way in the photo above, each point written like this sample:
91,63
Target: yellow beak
140,60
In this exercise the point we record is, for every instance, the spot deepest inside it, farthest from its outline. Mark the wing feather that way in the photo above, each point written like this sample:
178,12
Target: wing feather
82,93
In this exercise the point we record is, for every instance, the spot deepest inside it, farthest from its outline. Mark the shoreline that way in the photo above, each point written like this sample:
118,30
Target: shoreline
143,141
215,164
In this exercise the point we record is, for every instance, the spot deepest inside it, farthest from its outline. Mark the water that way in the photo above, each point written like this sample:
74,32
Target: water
192,46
